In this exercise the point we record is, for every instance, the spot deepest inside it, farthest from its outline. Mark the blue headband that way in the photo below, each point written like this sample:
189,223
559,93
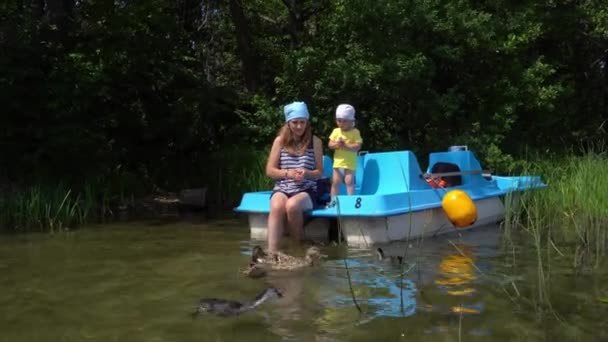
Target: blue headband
295,110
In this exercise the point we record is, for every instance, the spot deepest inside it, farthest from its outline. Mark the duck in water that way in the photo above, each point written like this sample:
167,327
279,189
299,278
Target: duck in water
282,261
261,261
225,307
396,260
254,270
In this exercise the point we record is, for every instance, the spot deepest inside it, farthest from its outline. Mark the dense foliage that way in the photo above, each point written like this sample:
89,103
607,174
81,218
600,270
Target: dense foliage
155,90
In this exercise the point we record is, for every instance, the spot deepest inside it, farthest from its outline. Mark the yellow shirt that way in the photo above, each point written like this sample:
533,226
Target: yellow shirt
344,158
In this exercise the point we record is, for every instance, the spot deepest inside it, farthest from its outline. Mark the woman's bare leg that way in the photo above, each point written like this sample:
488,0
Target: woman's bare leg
276,218
295,208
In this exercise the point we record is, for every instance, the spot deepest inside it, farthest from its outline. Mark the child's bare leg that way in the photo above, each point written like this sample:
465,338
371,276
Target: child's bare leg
336,179
349,180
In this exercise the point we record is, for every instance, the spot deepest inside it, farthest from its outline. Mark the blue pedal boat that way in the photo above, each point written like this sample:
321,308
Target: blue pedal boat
394,202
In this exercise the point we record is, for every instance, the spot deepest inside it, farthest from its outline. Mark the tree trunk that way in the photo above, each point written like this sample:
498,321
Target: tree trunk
36,9
59,12
190,14
249,59
296,21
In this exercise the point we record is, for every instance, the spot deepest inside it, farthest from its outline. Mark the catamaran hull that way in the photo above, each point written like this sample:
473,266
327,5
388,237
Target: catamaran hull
367,231
394,202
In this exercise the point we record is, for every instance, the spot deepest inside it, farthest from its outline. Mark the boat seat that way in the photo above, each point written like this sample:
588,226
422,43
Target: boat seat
328,173
443,167
464,160
327,167
359,173
391,172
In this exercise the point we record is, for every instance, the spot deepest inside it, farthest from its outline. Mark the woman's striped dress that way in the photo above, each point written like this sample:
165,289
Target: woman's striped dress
287,161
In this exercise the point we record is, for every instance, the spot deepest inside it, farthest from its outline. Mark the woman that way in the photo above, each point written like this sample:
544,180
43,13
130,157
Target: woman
295,162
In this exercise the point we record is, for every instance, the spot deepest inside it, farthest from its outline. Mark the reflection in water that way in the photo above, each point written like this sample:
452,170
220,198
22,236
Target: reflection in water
141,284
378,288
456,273
288,311
455,270
439,272
432,270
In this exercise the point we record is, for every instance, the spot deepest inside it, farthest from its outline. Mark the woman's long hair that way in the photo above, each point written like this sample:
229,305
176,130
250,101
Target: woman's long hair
292,145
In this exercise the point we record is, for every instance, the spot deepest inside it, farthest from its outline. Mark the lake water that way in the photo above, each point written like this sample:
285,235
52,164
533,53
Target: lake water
140,281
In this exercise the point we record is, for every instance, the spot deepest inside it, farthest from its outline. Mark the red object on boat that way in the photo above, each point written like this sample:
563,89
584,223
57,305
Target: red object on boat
436,184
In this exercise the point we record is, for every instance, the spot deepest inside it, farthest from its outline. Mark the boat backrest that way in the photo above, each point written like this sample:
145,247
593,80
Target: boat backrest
465,160
327,167
391,172
359,174
328,172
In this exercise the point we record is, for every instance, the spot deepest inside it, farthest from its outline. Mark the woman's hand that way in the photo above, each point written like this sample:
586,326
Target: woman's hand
295,174
299,174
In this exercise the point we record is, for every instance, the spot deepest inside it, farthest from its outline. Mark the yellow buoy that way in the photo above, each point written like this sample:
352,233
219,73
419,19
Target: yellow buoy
459,208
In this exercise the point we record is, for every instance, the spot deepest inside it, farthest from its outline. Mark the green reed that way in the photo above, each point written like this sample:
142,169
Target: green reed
572,210
50,208
236,170
42,209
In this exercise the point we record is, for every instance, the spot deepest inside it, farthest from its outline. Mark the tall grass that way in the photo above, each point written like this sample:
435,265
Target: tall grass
228,173
59,207
43,209
233,171
572,210
567,219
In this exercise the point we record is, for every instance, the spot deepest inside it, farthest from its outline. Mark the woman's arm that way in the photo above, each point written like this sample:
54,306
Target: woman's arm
272,165
317,145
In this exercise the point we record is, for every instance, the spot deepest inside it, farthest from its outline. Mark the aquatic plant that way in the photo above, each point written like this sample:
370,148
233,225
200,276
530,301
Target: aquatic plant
572,210
232,171
51,208
42,209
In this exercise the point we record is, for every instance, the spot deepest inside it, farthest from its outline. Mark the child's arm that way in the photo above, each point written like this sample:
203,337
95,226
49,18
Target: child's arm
334,143
356,145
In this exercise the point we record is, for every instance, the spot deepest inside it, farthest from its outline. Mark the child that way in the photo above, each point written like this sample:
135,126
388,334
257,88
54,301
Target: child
346,141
